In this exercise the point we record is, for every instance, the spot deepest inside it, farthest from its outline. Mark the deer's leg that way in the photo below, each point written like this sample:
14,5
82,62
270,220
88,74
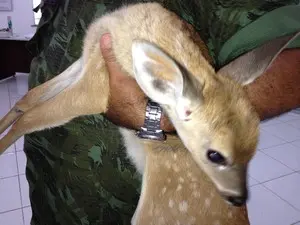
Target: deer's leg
88,96
41,93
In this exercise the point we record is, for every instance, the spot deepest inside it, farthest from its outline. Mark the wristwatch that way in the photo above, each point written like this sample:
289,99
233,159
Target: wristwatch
151,128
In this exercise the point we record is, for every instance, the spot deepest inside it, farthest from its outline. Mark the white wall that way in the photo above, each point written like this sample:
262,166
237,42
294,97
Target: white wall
22,17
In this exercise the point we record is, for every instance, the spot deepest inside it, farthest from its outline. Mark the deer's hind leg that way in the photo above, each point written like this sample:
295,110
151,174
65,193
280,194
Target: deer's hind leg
88,96
42,93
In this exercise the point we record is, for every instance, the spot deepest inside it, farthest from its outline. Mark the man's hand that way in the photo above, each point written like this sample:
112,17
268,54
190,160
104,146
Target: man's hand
127,102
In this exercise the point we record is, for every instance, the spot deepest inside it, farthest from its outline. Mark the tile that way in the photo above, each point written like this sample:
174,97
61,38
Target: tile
267,140
22,82
13,91
22,160
284,131
294,123
27,215
297,111
11,79
263,168
3,87
3,81
18,86
265,208
287,154
4,99
9,194
12,218
252,181
24,191
271,121
285,117
4,105
8,165
13,101
296,143
287,188
20,144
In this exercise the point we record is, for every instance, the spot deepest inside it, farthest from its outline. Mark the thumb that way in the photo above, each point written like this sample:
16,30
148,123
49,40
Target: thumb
106,49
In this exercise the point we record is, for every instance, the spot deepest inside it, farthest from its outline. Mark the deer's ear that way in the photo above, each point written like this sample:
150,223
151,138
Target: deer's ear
246,68
156,73
159,76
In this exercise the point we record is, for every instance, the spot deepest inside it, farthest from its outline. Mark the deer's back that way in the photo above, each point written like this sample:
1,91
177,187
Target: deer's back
150,22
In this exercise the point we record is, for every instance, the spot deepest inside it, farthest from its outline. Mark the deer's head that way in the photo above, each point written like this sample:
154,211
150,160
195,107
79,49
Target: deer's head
210,110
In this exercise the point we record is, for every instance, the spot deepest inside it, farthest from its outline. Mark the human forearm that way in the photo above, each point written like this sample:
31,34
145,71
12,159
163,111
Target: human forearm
127,102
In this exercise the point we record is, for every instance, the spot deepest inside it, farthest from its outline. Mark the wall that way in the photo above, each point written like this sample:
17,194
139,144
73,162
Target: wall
22,17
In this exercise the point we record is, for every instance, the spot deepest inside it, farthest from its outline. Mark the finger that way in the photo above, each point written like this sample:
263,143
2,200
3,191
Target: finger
114,69
106,48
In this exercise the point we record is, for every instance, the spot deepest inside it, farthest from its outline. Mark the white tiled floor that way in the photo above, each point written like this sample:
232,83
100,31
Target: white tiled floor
274,171
14,201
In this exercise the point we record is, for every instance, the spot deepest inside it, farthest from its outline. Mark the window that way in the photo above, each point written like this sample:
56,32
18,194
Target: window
37,15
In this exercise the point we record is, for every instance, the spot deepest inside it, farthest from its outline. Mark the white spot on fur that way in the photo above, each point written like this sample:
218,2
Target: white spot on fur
163,190
168,164
196,194
189,174
230,215
183,206
179,187
169,180
174,156
207,202
171,203
181,180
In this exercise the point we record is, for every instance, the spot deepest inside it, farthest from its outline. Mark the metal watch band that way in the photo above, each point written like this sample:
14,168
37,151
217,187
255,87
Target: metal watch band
151,129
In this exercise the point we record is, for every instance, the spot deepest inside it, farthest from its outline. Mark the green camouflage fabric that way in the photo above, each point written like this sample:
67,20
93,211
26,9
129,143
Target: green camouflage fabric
78,173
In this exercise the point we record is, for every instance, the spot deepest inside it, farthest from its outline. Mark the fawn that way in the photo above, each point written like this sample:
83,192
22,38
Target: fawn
210,111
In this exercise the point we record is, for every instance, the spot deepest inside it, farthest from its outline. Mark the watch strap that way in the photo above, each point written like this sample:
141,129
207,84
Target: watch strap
151,128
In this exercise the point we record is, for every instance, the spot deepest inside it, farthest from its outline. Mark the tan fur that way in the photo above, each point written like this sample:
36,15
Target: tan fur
221,118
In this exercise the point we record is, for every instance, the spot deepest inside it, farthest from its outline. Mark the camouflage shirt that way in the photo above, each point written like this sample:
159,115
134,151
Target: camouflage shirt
78,173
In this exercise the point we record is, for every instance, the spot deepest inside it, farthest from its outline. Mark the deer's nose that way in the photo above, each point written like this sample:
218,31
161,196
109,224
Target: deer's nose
237,201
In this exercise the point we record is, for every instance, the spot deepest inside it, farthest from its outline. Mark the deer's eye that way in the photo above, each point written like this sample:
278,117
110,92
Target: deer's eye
216,157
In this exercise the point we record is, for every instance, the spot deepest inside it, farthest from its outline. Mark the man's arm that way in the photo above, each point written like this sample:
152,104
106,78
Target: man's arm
127,102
